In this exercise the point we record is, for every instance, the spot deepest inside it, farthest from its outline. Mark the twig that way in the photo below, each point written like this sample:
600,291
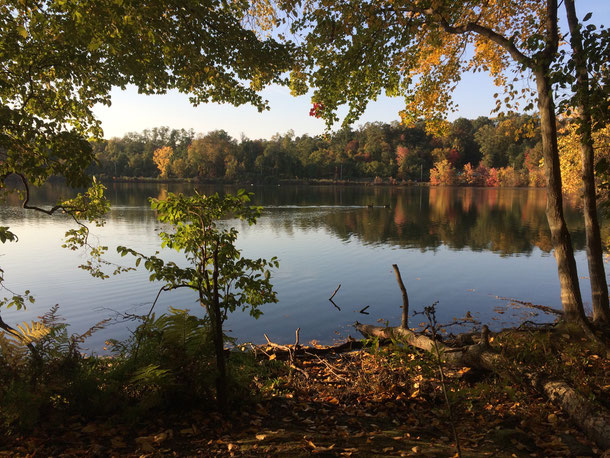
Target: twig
363,310
329,366
331,297
296,340
336,306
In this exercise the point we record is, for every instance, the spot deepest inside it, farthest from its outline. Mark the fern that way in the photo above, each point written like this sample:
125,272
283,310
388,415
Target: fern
181,330
30,333
12,351
150,375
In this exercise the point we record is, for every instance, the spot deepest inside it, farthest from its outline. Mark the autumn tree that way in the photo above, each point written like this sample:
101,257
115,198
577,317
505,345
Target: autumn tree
162,157
417,50
208,153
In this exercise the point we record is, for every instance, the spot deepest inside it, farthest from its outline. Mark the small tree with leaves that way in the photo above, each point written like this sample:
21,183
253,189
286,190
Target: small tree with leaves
216,270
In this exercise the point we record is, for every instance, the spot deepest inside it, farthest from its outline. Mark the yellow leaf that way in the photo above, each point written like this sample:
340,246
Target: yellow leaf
261,437
272,357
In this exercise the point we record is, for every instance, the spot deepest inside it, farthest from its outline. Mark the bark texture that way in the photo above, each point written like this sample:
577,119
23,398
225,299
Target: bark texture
571,298
597,273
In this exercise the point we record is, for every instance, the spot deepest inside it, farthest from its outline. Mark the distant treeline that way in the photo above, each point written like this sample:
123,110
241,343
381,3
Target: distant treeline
374,150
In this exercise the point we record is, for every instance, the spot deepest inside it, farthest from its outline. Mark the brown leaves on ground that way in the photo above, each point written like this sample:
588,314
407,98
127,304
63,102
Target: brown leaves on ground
356,404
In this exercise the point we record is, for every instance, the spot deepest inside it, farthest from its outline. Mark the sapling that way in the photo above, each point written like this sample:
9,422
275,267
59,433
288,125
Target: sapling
215,270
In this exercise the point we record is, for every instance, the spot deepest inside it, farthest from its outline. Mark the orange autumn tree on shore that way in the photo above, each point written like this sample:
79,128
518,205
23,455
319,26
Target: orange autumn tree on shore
162,157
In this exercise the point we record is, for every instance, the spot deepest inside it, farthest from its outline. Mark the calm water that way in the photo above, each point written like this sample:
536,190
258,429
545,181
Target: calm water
463,247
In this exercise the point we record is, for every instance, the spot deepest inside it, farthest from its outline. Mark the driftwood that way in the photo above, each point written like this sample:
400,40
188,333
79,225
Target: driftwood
405,298
544,308
289,352
477,355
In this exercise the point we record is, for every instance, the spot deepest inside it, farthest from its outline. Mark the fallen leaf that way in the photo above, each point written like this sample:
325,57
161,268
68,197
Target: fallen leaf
117,442
90,428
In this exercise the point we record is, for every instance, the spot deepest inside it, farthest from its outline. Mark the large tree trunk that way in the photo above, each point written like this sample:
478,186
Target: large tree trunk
597,273
571,298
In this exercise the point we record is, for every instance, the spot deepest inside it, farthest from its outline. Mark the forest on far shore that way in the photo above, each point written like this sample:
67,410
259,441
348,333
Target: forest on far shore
508,146
502,151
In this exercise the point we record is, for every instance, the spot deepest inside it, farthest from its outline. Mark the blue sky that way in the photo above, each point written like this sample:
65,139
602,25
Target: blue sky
132,112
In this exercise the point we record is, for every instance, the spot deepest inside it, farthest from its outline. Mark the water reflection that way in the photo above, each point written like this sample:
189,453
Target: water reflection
504,221
457,245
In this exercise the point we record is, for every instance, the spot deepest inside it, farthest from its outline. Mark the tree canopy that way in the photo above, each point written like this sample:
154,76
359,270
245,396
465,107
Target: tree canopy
59,59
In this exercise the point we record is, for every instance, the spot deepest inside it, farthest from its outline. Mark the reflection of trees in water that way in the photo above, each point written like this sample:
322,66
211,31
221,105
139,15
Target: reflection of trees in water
503,220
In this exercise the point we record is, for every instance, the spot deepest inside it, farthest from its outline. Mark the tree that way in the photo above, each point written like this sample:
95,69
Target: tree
208,153
504,144
61,58
416,50
443,173
162,158
586,96
221,277
58,59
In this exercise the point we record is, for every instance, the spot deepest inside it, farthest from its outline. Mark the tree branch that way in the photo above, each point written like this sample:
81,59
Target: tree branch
475,27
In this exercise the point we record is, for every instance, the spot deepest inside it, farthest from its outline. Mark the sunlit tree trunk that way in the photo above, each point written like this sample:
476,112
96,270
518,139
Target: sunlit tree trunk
571,298
597,273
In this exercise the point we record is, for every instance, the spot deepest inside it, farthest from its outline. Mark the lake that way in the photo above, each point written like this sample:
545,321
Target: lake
463,247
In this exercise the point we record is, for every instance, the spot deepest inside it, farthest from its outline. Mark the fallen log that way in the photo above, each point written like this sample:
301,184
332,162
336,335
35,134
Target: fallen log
477,355
592,419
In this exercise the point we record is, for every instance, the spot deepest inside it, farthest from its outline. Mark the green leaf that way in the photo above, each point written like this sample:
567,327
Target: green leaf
22,31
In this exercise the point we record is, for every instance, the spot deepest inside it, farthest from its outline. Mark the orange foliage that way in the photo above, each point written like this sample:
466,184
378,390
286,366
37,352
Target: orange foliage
161,158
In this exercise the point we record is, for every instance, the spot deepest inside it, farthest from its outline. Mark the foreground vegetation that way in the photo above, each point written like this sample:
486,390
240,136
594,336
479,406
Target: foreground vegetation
385,400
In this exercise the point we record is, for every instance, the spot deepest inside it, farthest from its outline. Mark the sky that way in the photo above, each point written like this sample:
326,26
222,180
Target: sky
133,112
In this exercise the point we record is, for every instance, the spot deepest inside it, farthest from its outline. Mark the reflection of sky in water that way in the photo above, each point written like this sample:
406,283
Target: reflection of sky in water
318,248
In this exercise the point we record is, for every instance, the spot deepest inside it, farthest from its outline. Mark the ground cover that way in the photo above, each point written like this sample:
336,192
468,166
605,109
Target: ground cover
384,400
